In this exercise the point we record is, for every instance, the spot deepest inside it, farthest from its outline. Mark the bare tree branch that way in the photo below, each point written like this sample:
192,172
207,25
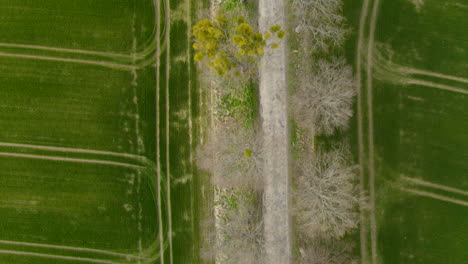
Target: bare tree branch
323,20
233,154
325,200
323,101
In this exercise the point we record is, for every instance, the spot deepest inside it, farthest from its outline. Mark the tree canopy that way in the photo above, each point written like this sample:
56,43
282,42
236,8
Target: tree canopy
231,46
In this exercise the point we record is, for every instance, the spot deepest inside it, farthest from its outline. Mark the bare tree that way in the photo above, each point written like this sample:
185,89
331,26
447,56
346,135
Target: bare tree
325,200
323,101
321,19
233,154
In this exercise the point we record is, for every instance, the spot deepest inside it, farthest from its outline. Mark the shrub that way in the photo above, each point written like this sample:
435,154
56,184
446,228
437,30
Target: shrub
323,101
239,233
325,200
326,251
231,46
233,154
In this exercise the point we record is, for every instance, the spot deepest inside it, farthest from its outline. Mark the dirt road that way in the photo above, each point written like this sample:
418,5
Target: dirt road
273,104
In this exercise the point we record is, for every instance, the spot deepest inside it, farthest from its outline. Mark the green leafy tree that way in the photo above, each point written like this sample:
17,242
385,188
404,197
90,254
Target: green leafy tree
230,46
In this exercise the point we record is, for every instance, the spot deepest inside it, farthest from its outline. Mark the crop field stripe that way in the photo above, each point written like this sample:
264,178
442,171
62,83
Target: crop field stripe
360,45
437,86
434,185
56,158
157,6
47,58
78,51
168,169
189,86
373,23
73,150
138,139
433,74
435,196
90,250
50,256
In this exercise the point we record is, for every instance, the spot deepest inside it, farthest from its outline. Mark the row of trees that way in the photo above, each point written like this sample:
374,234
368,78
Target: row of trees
325,199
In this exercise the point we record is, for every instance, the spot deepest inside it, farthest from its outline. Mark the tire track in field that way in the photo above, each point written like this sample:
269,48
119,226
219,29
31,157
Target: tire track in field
65,50
433,74
136,60
75,160
436,85
69,248
157,6
75,150
434,185
360,47
168,169
387,70
373,224
61,257
111,65
435,196
128,59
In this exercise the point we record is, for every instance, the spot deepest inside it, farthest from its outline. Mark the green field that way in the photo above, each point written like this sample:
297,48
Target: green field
412,128
88,127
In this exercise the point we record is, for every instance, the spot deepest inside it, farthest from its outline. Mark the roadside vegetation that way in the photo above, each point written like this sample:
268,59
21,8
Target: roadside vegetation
322,91
239,228
228,48
233,154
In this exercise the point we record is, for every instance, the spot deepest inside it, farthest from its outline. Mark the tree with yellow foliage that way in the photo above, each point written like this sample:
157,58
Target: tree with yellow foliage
231,46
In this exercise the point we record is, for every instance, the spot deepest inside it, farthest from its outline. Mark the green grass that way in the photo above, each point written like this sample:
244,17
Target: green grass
82,100
420,132
101,26
73,200
230,4
61,102
240,102
67,203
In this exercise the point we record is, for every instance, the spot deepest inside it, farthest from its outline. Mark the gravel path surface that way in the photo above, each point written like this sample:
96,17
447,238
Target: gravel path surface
273,103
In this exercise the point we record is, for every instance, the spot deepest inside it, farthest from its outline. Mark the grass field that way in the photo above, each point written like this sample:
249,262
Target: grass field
412,129
90,128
